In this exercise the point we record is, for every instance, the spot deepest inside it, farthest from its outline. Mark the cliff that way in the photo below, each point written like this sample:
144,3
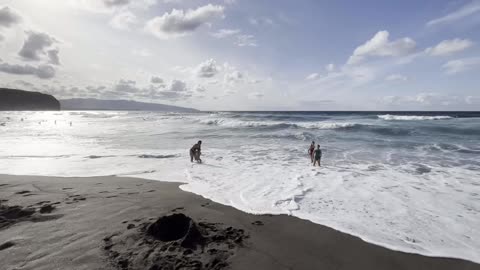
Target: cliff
118,105
19,100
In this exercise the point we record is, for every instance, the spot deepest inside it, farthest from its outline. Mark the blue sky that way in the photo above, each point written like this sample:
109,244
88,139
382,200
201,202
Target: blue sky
247,55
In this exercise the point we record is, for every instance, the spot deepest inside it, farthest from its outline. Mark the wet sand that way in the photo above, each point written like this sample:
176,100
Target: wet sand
130,223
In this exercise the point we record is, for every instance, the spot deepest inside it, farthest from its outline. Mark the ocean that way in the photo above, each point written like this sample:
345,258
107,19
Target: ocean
409,181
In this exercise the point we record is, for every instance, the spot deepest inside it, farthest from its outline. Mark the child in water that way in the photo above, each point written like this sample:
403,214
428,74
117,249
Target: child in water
195,152
318,156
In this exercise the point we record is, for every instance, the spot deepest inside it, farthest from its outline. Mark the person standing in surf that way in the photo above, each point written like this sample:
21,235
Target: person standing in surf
195,152
318,156
311,149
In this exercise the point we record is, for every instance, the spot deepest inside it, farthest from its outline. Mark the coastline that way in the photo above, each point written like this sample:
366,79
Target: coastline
85,210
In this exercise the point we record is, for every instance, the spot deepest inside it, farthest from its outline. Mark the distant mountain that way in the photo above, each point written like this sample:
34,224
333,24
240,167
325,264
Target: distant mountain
19,100
118,105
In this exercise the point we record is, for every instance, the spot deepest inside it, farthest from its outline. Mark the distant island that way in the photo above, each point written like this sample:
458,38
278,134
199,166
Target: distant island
19,100
118,105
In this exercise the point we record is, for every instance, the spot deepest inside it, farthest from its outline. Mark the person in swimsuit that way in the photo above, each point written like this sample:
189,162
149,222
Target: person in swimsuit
311,149
195,152
318,156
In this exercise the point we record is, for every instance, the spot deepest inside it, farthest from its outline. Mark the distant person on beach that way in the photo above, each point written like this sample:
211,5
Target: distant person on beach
318,156
311,149
195,152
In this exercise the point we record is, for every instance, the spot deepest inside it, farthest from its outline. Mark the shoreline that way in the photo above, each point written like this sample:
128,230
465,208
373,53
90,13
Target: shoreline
88,209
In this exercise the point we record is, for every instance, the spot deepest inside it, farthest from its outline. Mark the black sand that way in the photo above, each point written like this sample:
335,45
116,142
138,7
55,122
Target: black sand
116,223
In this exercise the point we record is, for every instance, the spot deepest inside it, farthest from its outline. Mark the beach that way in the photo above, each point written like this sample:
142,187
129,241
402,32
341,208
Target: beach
405,181
91,222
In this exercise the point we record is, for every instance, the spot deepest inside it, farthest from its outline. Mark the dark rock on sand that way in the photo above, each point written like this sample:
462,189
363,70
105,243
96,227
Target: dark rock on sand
174,242
47,208
12,214
6,245
257,223
19,100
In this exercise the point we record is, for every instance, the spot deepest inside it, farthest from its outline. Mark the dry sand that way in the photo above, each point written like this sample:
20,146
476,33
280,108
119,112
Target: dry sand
113,223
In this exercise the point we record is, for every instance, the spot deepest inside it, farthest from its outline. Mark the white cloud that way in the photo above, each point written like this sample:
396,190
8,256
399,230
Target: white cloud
53,56
36,45
246,41
330,67
461,65
200,89
312,77
42,71
206,69
233,77
465,11
115,3
156,80
380,45
176,90
126,86
447,47
178,23
396,77
124,20
177,86
223,33
9,17
261,21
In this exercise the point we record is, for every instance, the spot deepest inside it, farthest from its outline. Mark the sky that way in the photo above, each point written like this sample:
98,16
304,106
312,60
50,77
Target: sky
247,54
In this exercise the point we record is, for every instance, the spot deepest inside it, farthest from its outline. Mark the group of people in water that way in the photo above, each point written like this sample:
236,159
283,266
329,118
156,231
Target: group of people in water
315,154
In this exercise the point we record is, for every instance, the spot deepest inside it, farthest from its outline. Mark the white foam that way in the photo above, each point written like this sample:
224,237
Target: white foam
310,125
390,117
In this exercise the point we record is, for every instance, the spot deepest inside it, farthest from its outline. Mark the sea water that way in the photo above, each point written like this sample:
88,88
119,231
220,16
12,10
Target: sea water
407,181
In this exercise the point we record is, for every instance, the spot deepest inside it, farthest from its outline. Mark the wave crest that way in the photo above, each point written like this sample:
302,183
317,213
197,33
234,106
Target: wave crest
390,117
277,124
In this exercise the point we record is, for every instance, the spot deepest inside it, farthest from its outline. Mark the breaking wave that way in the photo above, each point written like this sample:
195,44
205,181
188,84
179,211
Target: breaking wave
390,117
278,124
